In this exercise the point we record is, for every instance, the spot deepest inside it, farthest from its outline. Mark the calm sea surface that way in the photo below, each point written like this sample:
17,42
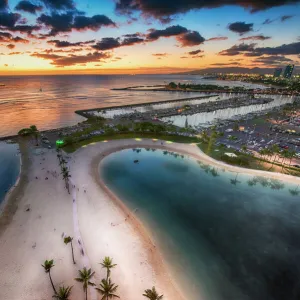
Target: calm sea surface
50,101
9,167
224,235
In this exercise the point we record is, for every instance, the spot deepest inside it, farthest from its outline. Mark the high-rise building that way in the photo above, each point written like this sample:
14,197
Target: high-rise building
277,72
288,71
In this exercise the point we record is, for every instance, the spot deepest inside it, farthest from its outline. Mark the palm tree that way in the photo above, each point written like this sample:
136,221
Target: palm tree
285,154
107,289
48,265
108,265
291,156
85,276
152,294
35,132
68,240
244,148
235,181
66,176
275,150
63,293
62,162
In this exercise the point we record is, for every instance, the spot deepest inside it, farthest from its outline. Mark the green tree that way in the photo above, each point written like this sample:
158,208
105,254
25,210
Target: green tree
35,133
66,175
85,276
236,126
152,294
48,265
275,150
63,293
244,148
291,156
69,240
108,265
172,85
107,289
285,154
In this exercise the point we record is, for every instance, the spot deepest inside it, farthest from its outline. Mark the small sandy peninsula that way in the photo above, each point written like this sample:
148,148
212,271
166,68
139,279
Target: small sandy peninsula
101,225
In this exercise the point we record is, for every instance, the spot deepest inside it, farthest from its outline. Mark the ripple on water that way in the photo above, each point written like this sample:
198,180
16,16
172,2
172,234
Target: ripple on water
225,236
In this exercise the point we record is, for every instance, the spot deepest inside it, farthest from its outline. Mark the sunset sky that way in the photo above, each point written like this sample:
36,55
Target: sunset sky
146,36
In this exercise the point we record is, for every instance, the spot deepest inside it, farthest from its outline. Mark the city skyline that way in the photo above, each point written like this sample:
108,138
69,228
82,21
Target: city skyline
146,36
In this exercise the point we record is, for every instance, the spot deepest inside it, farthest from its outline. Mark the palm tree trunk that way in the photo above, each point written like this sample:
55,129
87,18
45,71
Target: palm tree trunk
73,253
86,294
282,164
52,283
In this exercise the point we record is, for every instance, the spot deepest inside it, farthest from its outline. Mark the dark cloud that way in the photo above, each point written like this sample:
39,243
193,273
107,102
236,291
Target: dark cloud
65,22
268,21
255,38
284,18
65,44
250,50
93,23
5,36
107,44
183,35
112,43
226,64
28,7
18,39
59,4
3,4
241,27
285,49
10,46
15,53
252,54
155,34
133,35
72,59
184,57
57,22
8,38
272,60
160,54
195,52
238,49
24,28
218,38
132,41
197,56
9,19
191,38
162,9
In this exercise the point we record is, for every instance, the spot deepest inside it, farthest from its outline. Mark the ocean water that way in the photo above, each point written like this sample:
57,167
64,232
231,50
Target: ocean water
22,103
9,167
223,235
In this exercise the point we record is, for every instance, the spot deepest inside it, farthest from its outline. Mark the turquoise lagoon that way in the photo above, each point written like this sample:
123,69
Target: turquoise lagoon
9,167
224,236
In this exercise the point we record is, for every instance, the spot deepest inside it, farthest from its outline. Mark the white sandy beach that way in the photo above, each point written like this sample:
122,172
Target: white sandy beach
87,214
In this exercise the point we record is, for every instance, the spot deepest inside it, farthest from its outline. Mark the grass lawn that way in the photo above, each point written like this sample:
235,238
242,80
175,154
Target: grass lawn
131,135
254,162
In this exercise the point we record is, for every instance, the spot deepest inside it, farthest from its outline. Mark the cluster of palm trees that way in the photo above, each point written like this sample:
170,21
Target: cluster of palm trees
106,288
64,169
274,150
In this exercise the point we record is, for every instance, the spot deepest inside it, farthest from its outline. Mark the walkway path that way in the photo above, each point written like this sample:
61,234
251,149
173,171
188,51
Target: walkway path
77,236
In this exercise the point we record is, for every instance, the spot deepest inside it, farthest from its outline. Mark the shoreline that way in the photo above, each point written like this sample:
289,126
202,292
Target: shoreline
9,205
29,237
154,254
156,258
